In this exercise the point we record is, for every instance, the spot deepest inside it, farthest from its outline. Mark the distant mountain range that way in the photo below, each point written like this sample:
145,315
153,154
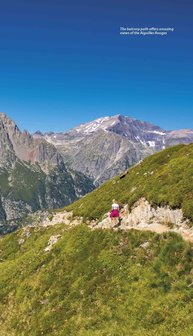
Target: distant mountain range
51,170
107,146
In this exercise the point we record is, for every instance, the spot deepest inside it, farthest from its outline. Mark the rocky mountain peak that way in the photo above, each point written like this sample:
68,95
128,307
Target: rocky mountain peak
109,145
38,135
5,118
95,125
133,128
33,175
15,145
7,124
119,124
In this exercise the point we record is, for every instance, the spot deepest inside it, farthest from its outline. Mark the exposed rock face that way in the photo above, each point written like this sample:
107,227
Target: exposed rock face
15,145
107,146
15,209
143,215
52,241
33,176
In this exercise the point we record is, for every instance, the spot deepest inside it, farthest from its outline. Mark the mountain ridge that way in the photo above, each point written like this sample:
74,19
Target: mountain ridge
107,146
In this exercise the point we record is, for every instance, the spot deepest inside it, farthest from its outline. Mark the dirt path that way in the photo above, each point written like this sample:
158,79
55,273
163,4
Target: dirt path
68,219
187,234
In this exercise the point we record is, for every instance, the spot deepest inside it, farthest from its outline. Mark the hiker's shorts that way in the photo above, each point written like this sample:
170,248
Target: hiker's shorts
114,213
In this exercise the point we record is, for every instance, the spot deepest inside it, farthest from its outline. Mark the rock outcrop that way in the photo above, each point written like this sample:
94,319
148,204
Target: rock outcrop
143,216
143,213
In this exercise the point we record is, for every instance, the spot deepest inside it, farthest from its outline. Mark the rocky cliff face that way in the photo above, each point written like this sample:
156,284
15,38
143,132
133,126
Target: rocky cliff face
15,145
107,146
33,175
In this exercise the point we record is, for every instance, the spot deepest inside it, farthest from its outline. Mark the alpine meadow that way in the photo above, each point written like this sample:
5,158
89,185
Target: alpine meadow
105,281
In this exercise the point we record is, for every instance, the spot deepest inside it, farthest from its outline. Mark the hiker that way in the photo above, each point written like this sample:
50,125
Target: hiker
114,214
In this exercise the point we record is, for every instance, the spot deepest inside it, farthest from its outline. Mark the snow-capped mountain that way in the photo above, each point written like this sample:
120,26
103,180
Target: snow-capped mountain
107,146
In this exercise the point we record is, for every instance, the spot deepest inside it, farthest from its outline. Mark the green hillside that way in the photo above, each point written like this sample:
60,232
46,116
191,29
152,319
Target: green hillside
102,282
97,282
163,178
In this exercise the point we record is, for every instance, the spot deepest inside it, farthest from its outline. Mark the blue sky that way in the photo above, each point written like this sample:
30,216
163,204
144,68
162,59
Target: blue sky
63,62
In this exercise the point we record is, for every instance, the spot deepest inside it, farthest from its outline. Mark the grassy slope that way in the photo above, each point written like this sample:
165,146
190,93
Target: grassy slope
95,283
102,282
163,178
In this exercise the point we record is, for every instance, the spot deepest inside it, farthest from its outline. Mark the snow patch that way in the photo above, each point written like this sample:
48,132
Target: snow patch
151,143
141,141
156,132
100,123
163,147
